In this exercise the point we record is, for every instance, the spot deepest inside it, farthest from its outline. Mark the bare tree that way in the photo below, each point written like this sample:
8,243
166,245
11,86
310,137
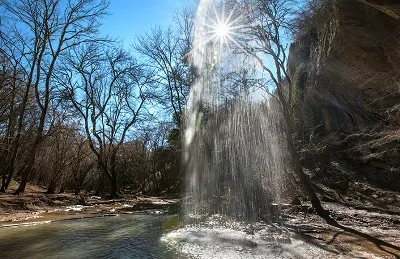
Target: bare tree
107,88
8,92
54,156
82,163
48,28
19,100
265,38
166,53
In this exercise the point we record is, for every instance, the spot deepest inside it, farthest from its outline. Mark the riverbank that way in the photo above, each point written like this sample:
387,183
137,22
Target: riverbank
35,206
364,231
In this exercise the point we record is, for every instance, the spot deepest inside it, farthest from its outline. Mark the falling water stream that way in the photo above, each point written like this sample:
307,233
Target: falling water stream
234,151
235,163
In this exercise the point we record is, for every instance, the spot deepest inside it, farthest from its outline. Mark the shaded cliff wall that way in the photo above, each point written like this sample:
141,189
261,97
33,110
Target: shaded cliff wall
353,67
346,65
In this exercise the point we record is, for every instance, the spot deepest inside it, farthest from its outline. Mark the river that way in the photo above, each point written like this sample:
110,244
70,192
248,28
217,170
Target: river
125,236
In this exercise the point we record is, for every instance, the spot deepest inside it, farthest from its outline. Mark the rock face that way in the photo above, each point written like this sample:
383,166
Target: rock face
347,68
352,62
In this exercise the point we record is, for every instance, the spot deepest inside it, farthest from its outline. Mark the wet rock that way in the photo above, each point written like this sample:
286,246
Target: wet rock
296,201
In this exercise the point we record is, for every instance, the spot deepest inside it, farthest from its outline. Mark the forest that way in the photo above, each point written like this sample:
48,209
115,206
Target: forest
79,112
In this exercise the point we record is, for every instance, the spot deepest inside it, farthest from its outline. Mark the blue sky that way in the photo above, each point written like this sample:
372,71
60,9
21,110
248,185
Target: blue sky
134,17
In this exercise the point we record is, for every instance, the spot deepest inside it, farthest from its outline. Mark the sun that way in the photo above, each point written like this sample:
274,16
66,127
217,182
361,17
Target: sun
222,30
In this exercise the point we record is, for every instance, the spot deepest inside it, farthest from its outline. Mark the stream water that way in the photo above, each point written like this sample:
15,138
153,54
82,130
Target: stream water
125,236
150,236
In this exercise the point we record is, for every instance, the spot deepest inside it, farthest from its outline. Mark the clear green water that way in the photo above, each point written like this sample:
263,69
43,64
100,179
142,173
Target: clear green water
125,236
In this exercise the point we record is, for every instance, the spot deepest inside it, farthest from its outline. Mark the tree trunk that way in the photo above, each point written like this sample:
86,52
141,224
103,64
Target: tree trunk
24,179
77,190
303,178
112,179
3,183
114,186
32,154
113,174
8,168
10,176
51,189
55,179
27,169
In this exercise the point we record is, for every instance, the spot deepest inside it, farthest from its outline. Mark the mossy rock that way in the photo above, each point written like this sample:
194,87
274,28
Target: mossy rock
172,223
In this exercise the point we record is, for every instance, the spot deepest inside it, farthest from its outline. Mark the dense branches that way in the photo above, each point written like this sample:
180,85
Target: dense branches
46,29
71,99
165,52
107,88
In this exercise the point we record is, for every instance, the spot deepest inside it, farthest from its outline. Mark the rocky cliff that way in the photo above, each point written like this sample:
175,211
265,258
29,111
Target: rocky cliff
346,65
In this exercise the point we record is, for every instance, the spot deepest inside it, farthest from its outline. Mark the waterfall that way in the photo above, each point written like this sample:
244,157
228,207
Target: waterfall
234,148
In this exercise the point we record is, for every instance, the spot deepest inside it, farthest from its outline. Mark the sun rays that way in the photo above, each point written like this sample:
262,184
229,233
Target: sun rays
222,28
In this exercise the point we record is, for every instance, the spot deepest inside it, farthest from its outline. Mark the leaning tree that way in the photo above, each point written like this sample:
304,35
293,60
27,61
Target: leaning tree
265,37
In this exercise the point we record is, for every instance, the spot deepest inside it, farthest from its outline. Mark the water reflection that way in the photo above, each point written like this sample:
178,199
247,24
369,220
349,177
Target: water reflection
127,236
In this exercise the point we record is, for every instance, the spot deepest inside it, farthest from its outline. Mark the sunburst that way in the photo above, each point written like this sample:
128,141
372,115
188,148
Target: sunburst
223,29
